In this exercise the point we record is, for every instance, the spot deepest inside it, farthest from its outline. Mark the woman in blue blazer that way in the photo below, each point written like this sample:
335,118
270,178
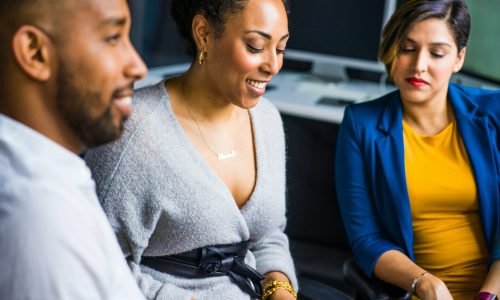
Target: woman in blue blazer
422,45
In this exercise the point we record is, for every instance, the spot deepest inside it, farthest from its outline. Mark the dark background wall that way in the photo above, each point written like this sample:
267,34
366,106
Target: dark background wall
154,33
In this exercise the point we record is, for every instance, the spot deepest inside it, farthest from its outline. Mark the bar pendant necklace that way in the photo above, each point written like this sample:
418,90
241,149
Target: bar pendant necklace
220,156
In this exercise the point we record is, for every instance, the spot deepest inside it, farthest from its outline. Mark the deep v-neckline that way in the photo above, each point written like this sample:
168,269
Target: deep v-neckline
186,142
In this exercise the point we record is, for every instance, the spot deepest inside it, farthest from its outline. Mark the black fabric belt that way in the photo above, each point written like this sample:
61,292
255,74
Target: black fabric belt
211,261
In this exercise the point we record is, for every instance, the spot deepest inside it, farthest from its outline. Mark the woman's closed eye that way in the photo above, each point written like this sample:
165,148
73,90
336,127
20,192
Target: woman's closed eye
254,49
407,49
438,53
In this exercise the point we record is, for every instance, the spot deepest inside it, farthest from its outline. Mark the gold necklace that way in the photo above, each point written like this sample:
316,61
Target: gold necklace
220,156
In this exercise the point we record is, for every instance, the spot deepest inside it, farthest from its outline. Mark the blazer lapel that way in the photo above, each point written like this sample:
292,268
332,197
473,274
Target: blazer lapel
473,128
390,159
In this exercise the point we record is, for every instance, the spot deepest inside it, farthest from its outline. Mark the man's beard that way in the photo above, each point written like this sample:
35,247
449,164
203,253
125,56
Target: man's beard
76,104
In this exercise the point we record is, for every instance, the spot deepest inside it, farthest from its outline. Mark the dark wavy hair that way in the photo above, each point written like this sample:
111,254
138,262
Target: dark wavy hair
216,12
454,12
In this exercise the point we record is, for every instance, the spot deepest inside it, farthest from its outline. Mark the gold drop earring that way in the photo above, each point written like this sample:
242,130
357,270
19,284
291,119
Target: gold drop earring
201,58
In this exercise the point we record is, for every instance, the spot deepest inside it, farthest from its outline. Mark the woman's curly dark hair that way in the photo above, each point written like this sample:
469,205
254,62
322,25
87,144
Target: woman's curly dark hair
216,12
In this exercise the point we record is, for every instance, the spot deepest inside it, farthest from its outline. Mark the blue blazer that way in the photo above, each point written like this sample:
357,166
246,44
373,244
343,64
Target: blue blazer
370,171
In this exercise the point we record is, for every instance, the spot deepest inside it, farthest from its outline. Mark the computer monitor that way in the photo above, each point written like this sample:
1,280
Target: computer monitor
337,34
482,60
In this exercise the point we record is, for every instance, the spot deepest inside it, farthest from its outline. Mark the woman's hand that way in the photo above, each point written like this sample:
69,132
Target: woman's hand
281,294
431,287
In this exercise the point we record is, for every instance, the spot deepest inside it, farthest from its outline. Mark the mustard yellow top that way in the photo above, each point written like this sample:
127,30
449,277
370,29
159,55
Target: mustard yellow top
449,240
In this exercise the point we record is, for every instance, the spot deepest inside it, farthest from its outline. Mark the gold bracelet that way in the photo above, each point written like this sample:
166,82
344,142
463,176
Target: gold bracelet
273,286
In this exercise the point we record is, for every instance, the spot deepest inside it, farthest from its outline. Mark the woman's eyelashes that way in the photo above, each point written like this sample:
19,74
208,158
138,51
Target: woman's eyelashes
438,53
253,49
407,50
434,53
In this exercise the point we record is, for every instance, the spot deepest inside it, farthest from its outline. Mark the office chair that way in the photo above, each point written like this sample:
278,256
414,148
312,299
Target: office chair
371,288
311,289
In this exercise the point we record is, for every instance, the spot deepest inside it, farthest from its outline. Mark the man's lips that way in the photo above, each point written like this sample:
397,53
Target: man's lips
416,82
124,105
122,99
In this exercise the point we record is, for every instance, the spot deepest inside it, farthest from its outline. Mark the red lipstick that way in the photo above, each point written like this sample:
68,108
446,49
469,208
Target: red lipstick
416,82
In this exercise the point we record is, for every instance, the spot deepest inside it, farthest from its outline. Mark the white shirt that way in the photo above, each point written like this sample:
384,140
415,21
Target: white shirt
55,240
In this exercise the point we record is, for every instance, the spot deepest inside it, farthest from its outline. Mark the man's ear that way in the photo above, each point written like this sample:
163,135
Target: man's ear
31,48
201,30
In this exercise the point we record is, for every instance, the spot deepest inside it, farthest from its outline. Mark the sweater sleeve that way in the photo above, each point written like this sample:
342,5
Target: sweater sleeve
129,202
367,236
272,254
272,251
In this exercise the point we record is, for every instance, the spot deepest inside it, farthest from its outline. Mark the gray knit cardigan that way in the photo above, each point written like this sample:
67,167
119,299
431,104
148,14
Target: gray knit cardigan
162,198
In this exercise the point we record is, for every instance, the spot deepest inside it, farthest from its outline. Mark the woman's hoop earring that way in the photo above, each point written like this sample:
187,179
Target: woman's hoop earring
201,58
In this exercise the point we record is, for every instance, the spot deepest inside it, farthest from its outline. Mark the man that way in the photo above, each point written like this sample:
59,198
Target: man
66,74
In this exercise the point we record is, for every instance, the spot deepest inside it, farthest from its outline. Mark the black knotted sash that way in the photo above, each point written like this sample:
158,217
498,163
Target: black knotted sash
209,261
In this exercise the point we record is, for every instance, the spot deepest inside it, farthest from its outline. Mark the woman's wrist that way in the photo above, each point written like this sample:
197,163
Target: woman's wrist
274,288
281,294
416,281
429,285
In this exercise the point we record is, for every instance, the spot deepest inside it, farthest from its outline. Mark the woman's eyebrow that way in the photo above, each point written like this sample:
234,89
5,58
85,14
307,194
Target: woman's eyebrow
267,35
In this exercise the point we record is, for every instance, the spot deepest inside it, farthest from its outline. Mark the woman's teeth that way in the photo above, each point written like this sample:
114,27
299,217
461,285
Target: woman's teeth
257,84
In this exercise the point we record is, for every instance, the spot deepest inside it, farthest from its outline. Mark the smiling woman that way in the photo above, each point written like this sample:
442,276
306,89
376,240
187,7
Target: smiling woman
199,176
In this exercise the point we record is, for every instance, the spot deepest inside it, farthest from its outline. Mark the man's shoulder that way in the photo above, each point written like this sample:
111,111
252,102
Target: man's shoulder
51,244
35,206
